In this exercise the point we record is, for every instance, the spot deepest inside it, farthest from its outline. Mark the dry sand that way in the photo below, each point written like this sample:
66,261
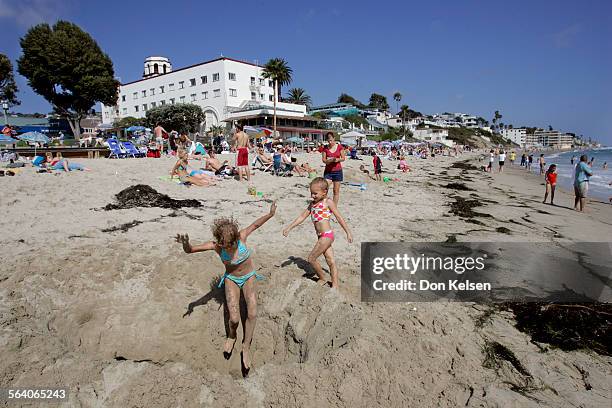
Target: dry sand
103,312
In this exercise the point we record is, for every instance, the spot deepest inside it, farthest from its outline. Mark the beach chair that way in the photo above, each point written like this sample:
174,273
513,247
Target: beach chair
262,166
279,168
115,148
131,150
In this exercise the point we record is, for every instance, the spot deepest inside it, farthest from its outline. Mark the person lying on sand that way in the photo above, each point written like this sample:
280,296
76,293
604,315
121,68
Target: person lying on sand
213,164
59,163
320,210
240,275
195,177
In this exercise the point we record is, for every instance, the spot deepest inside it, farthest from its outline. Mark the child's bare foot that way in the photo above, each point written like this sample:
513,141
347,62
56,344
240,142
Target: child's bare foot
228,347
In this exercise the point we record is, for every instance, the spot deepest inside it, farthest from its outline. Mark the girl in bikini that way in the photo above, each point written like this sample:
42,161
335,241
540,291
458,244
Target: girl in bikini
320,211
195,177
231,246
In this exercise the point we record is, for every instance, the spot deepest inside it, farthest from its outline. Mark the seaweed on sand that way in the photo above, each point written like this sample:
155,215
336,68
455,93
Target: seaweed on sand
142,195
494,352
569,327
458,187
463,208
464,165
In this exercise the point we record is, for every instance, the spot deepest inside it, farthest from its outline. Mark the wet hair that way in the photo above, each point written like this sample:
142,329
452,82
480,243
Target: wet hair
320,182
225,231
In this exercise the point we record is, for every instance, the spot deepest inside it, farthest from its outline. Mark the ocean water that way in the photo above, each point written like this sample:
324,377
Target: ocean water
599,183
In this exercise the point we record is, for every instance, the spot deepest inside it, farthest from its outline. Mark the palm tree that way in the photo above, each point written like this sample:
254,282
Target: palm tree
299,97
277,70
497,116
397,97
405,110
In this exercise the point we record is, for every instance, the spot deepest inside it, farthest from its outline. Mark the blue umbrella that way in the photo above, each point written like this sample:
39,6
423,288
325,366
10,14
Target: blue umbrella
34,137
7,140
135,128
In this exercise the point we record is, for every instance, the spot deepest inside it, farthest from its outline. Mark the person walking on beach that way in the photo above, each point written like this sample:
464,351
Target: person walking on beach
333,155
502,160
581,182
512,157
529,161
241,143
377,167
320,210
572,160
542,164
523,160
491,160
240,275
551,183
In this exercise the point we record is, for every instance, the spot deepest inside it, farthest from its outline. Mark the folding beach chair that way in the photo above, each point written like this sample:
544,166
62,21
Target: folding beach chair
279,168
131,149
262,166
115,148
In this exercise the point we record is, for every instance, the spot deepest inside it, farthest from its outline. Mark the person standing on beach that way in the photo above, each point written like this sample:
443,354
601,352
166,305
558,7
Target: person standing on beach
502,160
551,183
512,157
333,155
542,164
523,160
240,275
377,167
491,160
241,143
159,133
572,160
581,182
529,162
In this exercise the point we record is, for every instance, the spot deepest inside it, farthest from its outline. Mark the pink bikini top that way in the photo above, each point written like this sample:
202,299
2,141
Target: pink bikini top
319,212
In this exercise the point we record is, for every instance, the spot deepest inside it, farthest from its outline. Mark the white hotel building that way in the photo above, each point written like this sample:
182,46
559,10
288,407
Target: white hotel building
224,88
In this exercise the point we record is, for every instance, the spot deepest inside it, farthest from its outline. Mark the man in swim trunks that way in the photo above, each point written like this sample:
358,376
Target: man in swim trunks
241,142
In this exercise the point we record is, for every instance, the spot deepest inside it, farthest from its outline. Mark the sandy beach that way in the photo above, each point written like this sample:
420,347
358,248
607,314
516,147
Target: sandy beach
102,310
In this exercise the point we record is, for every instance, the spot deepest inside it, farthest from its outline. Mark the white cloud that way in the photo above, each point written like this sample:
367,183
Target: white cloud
565,37
30,12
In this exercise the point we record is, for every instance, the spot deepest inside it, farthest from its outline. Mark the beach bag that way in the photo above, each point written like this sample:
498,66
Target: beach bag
38,160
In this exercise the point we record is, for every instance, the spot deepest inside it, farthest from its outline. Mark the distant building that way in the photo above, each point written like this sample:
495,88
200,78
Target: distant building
221,87
554,138
517,135
335,109
433,136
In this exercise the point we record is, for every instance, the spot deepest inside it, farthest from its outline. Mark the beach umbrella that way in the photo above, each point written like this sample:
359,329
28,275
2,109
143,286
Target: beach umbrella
295,139
7,139
255,131
135,128
34,137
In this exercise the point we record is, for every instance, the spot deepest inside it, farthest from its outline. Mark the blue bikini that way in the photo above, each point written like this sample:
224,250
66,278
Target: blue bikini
243,254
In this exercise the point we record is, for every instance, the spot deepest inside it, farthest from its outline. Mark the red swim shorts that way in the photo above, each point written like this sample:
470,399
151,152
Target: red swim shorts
243,157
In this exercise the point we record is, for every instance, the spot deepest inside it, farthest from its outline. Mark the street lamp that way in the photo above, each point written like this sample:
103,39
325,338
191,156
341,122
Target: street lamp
5,108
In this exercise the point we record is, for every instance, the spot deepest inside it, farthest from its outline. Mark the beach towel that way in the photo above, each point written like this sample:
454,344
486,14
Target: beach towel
169,178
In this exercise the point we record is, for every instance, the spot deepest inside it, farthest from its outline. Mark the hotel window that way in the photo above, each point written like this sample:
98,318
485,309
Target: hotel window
253,81
262,96
253,97
125,111
152,91
215,77
135,95
192,82
261,82
162,103
153,104
205,95
161,89
170,87
171,101
217,93
271,84
182,99
144,107
271,98
233,92
232,76
136,108
193,97
181,84
122,98
204,79
144,93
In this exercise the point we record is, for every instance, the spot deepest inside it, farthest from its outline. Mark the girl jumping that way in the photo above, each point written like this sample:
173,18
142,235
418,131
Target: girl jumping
240,274
320,211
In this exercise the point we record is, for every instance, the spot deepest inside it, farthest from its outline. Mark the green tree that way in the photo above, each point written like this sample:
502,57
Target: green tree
299,97
182,117
320,115
496,117
378,102
66,66
8,86
397,97
128,121
277,70
346,98
550,128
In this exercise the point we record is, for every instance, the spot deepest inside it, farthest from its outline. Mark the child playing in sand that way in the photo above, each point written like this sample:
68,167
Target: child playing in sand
320,211
551,182
377,166
403,166
240,274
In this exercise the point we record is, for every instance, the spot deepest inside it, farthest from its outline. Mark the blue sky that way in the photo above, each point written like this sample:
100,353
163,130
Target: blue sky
539,63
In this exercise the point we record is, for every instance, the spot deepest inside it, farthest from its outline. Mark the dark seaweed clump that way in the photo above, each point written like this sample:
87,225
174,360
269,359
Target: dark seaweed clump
494,352
142,195
569,327
503,230
463,208
458,187
464,165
